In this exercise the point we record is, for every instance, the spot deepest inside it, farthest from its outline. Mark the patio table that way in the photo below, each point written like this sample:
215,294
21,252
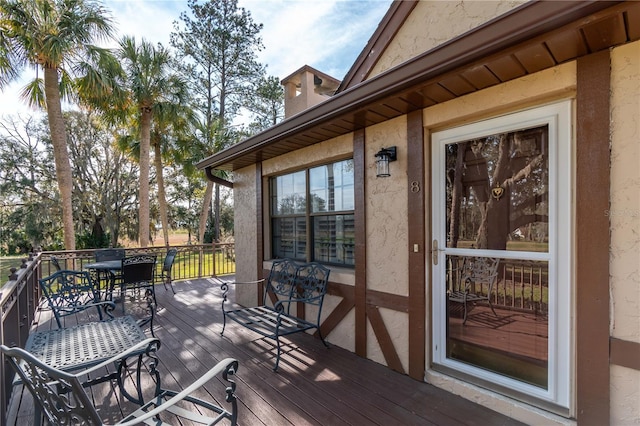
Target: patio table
109,268
85,345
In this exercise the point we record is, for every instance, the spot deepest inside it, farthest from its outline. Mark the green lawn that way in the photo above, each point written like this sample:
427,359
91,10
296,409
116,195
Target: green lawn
6,263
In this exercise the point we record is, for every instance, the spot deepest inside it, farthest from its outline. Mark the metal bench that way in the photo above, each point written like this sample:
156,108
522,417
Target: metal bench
296,292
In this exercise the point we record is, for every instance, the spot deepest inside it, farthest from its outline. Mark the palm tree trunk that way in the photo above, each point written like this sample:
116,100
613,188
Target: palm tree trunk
204,214
162,201
60,154
143,209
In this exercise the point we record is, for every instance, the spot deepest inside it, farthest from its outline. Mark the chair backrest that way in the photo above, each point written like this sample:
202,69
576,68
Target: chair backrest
55,263
60,395
138,269
168,260
109,254
480,270
68,293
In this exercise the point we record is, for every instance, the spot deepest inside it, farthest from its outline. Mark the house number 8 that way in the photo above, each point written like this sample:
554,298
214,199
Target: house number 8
415,186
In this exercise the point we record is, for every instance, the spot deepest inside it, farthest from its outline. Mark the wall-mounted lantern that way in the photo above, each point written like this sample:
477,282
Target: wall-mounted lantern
383,158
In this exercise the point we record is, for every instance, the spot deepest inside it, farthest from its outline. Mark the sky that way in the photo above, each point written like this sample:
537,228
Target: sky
325,34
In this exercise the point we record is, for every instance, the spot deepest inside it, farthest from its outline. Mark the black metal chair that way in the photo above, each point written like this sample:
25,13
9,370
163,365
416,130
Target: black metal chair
167,266
109,254
72,292
56,264
115,275
474,273
138,276
62,398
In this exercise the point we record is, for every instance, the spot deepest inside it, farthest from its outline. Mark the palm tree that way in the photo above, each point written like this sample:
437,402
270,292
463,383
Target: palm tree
56,37
152,89
170,126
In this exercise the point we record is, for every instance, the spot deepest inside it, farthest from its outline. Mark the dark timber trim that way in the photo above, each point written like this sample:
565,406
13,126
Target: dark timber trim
592,238
625,353
259,228
417,261
384,339
360,291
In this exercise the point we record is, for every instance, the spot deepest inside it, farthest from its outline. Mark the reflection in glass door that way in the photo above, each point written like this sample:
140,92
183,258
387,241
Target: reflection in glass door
494,247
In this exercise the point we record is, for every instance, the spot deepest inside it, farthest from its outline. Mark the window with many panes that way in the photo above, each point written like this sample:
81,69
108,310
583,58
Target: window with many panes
312,214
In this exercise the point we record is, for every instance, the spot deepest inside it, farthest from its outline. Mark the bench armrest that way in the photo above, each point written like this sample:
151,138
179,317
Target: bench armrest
224,286
243,282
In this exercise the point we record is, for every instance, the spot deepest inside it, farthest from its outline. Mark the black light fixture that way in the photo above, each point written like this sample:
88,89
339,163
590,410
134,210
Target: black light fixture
383,158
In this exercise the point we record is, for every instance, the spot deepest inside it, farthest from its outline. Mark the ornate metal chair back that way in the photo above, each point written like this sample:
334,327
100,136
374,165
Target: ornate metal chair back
109,254
60,395
138,269
68,292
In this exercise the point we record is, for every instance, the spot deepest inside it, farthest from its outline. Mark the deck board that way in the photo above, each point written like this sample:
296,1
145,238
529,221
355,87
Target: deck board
313,386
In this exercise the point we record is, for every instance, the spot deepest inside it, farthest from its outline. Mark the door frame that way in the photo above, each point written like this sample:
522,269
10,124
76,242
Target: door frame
559,117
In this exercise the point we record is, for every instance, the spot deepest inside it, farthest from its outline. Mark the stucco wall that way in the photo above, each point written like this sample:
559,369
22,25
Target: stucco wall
386,210
387,233
244,218
432,23
624,216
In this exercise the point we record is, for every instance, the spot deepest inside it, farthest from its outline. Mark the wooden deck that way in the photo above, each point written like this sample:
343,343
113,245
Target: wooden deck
314,385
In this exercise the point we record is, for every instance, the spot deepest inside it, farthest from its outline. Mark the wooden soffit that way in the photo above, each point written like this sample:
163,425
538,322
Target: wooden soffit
530,38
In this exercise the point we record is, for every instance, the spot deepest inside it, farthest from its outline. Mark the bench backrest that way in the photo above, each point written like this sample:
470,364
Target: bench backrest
307,283
311,283
281,279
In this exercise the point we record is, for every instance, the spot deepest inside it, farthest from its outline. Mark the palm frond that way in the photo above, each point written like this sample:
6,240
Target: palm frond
33,94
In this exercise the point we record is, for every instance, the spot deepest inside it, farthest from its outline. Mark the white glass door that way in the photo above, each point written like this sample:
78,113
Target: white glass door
501,225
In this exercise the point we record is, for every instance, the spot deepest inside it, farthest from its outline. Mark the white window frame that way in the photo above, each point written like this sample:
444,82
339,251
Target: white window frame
558,117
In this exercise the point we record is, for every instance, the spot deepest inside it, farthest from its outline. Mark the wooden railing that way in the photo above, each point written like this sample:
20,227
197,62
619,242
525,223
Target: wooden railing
19,297
193,261
18,301
520,285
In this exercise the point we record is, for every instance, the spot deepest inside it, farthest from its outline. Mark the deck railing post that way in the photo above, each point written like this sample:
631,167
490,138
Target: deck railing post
214,247
18,301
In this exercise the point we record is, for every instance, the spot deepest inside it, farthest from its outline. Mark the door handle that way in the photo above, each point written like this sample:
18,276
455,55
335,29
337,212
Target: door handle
434,252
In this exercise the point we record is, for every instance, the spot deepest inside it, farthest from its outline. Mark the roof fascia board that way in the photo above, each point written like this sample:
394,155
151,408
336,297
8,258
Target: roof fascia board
520,24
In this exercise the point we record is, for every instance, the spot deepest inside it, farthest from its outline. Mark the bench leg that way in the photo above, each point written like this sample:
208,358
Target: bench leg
275,368
322,338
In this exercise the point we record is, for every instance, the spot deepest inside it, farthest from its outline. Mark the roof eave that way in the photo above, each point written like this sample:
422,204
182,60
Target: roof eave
526,21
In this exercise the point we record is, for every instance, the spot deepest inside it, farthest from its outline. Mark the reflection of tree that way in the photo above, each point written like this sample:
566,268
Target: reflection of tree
496,187
296,204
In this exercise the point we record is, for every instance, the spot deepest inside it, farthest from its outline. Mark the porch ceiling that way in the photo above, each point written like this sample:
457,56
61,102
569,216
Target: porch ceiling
531,38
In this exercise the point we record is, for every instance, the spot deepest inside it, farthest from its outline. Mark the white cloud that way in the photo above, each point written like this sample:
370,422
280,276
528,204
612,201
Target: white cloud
325,34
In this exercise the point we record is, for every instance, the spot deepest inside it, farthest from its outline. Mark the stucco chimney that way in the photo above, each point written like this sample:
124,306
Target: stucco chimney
305,88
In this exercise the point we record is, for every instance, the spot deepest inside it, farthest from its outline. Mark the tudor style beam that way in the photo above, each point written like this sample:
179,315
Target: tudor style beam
592,238
417,245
